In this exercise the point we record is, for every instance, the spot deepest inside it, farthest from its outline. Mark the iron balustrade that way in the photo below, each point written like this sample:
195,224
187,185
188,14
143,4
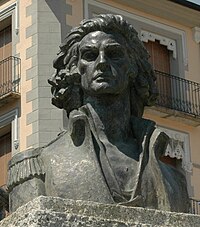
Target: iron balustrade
194,206
10,72
178,94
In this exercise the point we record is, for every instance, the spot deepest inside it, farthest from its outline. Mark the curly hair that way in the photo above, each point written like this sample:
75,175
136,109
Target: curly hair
66,82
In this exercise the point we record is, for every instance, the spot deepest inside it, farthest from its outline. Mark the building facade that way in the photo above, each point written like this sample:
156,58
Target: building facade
30,33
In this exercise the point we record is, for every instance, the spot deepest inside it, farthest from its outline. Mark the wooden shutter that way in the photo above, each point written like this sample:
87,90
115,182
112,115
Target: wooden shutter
159,56
160,60
5,156
6,65
5,43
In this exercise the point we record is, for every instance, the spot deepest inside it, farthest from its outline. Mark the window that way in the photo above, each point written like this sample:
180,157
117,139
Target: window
5,38
5,43
178,151
159,56
5,54
160,60
9,142
5,153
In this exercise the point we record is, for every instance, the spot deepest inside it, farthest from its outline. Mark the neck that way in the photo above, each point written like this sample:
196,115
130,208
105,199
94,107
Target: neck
114,113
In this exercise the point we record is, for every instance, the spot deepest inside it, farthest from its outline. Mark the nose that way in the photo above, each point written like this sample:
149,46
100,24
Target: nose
102,62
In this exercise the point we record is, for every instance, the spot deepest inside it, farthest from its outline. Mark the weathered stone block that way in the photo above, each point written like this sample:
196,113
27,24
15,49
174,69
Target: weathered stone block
51,211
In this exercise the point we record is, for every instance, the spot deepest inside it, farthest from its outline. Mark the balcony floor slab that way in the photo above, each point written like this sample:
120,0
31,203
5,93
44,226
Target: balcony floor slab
174,115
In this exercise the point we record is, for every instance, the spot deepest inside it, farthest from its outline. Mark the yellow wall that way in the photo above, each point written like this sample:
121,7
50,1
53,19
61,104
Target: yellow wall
26,85
77,12
193,58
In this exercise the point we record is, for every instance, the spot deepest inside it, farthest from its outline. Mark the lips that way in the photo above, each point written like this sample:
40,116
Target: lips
102,76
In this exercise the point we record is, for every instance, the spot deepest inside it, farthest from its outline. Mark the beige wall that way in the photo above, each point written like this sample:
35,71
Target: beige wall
193,58
77,12
20,51
26,85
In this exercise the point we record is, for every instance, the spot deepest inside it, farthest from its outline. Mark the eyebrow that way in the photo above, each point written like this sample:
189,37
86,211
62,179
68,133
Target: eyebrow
86,47
93,46
114,44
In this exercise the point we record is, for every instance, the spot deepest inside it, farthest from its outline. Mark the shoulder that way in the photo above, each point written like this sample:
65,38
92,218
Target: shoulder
3,199
60,137
158,143
24,166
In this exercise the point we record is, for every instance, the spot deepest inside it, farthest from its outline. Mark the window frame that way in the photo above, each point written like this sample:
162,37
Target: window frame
184,138
11,117
10,10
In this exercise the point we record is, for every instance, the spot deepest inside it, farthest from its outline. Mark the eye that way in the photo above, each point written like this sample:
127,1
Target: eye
115,54
90,55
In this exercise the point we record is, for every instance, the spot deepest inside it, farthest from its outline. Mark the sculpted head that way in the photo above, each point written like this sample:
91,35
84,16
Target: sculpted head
103,64
100,57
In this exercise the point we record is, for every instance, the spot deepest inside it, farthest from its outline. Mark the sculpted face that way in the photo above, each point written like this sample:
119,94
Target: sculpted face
103,63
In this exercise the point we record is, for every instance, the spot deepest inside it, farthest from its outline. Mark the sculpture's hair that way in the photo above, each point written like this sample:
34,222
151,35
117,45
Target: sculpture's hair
66,86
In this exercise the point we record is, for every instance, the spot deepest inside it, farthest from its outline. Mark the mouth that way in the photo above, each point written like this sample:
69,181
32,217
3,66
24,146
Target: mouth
103,76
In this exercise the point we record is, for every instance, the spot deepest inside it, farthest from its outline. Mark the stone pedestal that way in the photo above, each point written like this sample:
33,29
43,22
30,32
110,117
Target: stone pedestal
57,212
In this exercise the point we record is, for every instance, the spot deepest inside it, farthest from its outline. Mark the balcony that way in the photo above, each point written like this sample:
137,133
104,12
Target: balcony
10,72
178,99
194,206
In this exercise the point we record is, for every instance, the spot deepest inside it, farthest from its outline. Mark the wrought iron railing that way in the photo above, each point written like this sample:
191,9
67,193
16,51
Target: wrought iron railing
10,72
178,94
194,206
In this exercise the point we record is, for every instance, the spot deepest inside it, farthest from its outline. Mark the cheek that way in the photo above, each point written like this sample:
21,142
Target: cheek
85,67
120,70
82,68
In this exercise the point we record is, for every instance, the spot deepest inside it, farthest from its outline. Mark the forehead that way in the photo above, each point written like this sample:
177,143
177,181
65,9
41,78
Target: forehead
99,37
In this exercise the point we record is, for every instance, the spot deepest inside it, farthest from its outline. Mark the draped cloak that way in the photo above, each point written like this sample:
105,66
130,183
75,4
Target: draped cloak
76,166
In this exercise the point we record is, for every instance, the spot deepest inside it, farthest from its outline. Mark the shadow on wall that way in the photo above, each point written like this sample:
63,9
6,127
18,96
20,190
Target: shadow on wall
60,9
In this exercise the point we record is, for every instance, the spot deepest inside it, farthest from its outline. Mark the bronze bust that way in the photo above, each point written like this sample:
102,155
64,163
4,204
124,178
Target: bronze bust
109,153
